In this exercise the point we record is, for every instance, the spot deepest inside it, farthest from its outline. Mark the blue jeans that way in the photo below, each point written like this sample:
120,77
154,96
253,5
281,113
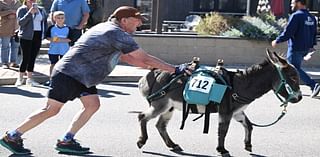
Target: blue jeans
296,58
9,48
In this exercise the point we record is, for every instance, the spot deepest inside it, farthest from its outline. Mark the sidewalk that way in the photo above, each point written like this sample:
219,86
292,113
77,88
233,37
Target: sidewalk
121,73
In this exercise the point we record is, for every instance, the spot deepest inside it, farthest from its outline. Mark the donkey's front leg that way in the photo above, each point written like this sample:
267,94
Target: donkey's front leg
243,119
224,122
162,128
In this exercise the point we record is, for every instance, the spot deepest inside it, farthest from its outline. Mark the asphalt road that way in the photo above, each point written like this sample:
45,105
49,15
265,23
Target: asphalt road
114,129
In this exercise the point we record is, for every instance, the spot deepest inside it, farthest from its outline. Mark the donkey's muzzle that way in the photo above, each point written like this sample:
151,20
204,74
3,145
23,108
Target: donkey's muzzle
296,98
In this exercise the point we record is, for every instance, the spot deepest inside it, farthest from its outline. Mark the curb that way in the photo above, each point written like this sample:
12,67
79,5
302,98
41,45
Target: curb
42,79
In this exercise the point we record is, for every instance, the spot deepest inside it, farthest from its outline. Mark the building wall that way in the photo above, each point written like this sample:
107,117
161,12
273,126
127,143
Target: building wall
234,51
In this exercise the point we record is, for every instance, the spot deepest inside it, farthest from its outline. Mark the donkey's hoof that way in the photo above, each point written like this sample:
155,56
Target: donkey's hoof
176,148
248,148
226,155
140,144
223,151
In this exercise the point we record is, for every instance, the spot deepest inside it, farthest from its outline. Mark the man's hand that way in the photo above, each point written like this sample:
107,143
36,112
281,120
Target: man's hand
182,68
309,55
274,43
79,27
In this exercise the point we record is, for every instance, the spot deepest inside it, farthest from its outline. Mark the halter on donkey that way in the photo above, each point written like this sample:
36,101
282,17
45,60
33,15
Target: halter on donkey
273,74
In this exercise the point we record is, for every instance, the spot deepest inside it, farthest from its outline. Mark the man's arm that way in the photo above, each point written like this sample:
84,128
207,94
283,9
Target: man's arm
84,20
288,32
144,60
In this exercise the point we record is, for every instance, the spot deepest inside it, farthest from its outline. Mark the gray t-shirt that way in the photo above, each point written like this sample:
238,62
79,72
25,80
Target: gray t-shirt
96,53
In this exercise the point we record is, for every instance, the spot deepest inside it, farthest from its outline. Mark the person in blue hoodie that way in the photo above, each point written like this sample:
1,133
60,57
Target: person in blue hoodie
301,34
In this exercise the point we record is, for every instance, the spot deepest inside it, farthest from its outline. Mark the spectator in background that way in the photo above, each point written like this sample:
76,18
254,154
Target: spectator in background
301,34
76,14
58,35
8,26
32,20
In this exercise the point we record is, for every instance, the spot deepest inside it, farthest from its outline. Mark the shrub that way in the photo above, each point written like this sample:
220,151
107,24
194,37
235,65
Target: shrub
213,24
264,27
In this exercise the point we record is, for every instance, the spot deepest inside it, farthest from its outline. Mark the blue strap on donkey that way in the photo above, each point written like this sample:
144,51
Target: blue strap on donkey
206,86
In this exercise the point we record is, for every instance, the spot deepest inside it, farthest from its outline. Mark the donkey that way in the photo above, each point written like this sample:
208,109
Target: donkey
247,85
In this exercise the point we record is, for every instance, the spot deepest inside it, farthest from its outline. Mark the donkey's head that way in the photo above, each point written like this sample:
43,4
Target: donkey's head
286,86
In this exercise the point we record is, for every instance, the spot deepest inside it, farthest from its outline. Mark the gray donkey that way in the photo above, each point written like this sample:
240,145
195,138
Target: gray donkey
245,86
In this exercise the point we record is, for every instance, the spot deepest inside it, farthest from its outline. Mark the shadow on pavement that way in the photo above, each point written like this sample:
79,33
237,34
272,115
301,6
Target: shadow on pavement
15,155
157,154
18,91
133,85
191,154
89,154
110,93
256,155
179,154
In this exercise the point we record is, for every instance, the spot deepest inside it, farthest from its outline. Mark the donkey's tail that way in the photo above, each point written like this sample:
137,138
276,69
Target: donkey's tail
144,86
147,82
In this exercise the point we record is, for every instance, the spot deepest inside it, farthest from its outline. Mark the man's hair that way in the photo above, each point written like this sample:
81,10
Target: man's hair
57,13
303,2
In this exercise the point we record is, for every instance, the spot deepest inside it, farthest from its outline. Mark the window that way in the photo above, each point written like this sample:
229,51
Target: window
145,6
204,5
231,6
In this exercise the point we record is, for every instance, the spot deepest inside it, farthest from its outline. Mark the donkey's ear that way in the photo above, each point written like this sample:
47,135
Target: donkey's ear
271,57
281,59
274,58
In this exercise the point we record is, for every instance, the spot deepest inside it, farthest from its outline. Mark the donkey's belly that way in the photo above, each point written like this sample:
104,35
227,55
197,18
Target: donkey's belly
178,105
240,109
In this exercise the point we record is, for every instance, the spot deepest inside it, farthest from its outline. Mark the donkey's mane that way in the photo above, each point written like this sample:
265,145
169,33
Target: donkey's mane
254,69
251,82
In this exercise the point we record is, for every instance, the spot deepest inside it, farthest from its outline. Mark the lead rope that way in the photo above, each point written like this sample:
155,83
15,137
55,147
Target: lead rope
284,102
284,111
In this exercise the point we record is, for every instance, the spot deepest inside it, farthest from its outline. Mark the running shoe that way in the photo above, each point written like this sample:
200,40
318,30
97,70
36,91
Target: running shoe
71,146
316,90
14,145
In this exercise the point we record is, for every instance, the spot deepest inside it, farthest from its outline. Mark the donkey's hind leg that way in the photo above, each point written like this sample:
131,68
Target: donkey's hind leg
144,117
162,128
243,119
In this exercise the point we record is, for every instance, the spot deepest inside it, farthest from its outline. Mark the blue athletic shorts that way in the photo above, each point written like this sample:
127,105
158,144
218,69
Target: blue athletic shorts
65,88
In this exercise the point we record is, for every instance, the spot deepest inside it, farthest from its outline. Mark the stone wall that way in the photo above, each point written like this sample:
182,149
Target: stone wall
181,48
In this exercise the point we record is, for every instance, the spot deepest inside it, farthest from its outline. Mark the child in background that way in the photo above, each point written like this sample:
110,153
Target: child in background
59,37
